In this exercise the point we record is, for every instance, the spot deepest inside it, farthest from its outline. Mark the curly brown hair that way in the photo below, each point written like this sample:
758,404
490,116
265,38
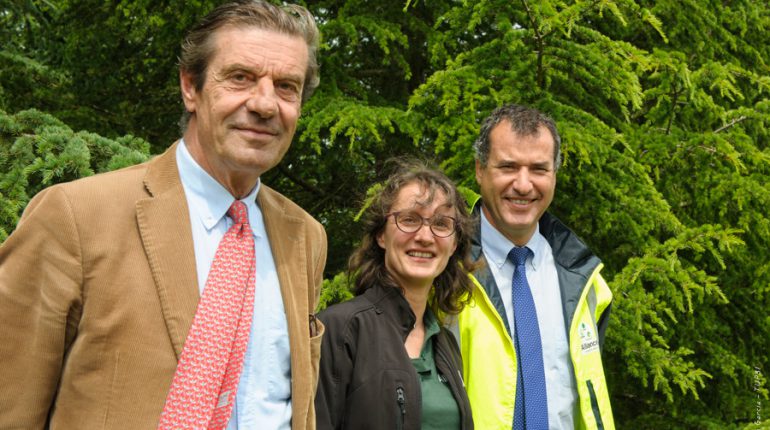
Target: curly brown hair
452,289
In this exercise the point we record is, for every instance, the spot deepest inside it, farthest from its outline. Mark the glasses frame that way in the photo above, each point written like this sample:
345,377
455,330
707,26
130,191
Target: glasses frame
425,221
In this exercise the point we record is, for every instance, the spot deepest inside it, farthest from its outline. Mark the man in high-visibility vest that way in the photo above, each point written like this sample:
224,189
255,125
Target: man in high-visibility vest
531,339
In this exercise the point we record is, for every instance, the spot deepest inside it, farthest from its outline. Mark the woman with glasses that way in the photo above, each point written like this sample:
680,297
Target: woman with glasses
387,361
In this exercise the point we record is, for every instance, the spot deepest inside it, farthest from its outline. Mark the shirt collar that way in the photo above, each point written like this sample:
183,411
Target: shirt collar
206,194
496,246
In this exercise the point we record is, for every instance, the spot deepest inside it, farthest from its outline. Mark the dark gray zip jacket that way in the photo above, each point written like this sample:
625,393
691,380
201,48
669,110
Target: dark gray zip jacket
367,380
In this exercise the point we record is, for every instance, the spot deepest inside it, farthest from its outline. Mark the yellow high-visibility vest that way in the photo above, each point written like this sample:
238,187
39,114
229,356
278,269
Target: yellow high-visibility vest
489,360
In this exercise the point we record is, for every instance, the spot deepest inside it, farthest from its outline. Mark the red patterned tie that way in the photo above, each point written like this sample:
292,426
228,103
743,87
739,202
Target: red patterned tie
203,390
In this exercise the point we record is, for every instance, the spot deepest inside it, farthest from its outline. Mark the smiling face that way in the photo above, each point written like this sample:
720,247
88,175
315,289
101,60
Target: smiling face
414,260
518,182
244,117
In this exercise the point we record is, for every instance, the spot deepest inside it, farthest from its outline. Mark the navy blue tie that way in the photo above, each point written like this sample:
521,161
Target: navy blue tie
531,411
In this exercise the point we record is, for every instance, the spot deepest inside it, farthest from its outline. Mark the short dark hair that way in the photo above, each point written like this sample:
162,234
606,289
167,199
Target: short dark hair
525,121
293,20
453,287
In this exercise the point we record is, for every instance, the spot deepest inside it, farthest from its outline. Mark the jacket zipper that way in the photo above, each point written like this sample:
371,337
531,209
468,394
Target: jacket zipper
402,408
447,361
445,357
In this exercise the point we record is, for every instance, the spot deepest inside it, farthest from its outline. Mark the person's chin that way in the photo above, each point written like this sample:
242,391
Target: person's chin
519,220
421,276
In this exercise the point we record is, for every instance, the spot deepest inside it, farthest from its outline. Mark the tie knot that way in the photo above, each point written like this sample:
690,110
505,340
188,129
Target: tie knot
238,213
519,255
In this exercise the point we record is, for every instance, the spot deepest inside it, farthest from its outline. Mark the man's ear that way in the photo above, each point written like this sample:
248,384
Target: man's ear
189,93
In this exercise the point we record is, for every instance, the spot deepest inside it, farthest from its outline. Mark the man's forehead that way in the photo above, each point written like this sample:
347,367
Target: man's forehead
504,138
264,47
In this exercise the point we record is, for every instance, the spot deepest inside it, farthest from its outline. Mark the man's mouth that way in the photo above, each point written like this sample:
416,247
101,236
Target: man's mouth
519,201
256,129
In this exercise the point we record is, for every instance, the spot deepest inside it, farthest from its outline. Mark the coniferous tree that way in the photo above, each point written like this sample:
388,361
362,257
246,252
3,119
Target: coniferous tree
662,105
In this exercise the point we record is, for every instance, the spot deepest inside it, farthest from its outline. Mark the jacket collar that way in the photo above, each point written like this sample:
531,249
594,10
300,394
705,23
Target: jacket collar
574,264
393,304
569,251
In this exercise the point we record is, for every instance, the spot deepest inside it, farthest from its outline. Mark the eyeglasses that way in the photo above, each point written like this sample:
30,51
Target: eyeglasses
410,222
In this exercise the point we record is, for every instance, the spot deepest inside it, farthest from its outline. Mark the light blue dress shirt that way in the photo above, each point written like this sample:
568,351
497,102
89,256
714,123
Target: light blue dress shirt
263,399
541,275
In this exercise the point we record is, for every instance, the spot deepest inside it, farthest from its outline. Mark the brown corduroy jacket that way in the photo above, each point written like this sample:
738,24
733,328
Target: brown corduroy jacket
98,289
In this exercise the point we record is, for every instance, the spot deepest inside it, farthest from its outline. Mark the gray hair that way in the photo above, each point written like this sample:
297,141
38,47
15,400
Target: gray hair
293,20
525,121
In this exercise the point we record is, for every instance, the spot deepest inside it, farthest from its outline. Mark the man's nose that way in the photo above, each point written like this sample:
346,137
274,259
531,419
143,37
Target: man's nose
522,183
262,99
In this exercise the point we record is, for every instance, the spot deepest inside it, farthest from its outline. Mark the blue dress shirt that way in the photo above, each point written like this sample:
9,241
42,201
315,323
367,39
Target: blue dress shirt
544,282
263,399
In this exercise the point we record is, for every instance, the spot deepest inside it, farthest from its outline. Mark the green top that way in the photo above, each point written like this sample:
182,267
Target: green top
439,408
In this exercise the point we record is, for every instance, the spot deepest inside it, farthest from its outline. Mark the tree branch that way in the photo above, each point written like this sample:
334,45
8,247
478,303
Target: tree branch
538,44
297,180
731,123
672,113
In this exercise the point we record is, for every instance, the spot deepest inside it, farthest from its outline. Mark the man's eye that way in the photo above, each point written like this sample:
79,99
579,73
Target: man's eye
239,77
289,89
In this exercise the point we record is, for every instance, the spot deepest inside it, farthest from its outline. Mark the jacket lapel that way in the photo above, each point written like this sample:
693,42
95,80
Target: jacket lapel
287,242
288,246
164,224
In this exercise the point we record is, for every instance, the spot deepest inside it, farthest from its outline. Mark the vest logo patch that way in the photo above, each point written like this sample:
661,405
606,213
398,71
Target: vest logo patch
588,340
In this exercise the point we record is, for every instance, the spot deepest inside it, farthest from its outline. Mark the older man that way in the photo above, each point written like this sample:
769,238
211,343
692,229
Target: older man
178,293
531,342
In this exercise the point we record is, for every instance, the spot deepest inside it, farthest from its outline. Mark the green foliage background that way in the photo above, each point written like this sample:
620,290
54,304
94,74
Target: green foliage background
663,107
